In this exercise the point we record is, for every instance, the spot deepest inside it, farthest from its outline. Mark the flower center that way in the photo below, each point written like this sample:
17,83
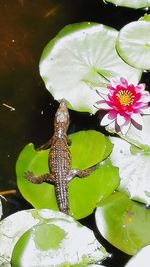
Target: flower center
125,97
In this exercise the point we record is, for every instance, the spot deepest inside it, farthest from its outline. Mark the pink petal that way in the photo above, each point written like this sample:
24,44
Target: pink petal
145,97
102,95
125,128
121,120
123,82
137,118
106,120
115,81
103,105
112,114
140,87
146,111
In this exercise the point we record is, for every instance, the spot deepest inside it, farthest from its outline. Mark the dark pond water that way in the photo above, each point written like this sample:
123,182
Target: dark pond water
26,108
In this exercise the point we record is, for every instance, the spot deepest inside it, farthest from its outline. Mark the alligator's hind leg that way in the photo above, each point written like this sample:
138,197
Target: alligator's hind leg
39,179
80,173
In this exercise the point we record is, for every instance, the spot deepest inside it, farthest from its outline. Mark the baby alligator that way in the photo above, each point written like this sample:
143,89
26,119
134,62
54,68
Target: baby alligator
59,160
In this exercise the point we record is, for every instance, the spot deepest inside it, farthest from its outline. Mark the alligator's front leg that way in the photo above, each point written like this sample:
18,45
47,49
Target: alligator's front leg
39,179
80,173
45,146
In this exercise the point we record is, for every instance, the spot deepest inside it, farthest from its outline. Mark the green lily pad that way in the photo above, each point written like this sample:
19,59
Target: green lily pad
80,58
134,169
130,3
124,223
55,242
133,44
83,193
142,258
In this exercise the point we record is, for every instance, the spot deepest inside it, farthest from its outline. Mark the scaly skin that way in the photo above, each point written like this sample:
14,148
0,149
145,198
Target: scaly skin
59,156
59,160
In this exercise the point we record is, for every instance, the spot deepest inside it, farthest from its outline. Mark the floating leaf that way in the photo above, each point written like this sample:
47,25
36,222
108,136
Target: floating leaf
133,44
139,138
12,228
124,223
48,237
134,169
130,3
83,193
81,57
142,258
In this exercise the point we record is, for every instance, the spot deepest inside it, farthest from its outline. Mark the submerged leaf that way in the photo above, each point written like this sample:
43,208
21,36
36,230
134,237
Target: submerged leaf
123,223
84,193
134,169
80,57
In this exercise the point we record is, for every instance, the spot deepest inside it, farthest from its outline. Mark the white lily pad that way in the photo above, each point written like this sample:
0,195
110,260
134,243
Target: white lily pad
140,138
56,243
142,258
133,44
15,225
81,58
134,169
40,223
131,3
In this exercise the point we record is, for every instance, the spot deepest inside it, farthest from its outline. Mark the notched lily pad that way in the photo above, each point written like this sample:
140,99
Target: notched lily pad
123,223
81,57
133,44
83,193
55,242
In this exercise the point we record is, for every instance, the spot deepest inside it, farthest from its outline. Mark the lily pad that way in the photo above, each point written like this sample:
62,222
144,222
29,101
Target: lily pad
131,3
85,193
142,258
13,227
81,57
124,223
56,242
139,138
134,169
133,44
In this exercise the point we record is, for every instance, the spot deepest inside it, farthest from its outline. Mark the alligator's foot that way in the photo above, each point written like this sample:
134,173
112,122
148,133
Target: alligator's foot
80,173
38,179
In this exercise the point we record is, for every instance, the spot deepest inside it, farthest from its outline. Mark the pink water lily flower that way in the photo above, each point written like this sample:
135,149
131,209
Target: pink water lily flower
125,104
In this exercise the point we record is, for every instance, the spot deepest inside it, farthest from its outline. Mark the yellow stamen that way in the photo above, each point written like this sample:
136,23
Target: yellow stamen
125,97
